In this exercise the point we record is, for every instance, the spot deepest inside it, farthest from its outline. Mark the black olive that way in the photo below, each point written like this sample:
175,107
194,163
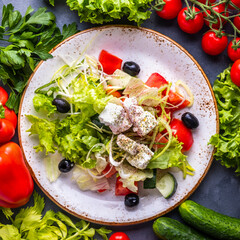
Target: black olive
65,165
189,120
131,68
62,105
131,200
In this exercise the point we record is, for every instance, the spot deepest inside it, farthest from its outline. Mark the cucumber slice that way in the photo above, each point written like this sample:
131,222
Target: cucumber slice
150,183
167,185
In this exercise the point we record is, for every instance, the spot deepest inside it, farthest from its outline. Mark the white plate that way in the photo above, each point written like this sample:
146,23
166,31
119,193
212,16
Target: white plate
154,53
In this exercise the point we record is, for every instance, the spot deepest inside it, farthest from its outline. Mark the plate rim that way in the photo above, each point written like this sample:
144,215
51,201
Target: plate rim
156,215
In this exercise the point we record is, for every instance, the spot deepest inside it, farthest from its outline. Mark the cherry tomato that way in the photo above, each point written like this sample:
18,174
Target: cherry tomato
220,9
170,9
235,73
236,22
190,26
119,236
120,190
233,54
109,62
11,116
212,44
236,3
3,96
7,130
183,134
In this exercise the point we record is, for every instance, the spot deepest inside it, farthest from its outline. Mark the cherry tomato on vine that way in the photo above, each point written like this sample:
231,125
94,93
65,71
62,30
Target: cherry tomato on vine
190,26
235,73
212,44
119,236
236,22
220,9
233,54
3,96
170,9
236,3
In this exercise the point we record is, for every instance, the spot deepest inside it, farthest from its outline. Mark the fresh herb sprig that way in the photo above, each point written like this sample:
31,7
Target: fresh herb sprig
30,224
29,38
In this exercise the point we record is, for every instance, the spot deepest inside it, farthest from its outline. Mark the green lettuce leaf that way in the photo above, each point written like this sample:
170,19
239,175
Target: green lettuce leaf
172,157
227,143
46,131
100,11
43,103
89,97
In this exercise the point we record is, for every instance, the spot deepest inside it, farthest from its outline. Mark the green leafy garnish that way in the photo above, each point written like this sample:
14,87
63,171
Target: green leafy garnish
172,157
102,11
30,38
30,223
227,142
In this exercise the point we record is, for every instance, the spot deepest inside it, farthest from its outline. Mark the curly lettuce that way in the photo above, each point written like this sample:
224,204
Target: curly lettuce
102,11
227,142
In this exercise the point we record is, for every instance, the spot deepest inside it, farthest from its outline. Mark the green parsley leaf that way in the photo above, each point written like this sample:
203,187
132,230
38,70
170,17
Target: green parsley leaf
30,39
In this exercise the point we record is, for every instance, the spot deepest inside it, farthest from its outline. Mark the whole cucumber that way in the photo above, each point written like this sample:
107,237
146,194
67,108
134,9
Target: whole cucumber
214,224
170,229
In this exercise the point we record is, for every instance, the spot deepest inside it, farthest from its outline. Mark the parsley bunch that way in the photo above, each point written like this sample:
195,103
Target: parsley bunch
30,224
29,39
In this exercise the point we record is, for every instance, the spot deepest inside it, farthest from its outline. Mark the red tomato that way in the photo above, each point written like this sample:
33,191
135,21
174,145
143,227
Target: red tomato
111,173
119,236
233,54
109,62
175,99
156,80
183,134
212,44
220,9
3,96
235,73
11,116
7,130
170,9
236,3
236,22
190,26
120,190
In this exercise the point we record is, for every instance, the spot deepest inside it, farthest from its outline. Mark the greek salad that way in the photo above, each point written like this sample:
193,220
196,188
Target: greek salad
101,122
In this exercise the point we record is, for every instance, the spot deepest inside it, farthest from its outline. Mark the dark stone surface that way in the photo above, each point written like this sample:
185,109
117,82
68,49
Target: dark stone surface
220,189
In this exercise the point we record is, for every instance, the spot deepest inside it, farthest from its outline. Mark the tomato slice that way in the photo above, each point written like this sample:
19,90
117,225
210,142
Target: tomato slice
120,190
183,134
3,96
111,173
175,99
156,80
110,63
